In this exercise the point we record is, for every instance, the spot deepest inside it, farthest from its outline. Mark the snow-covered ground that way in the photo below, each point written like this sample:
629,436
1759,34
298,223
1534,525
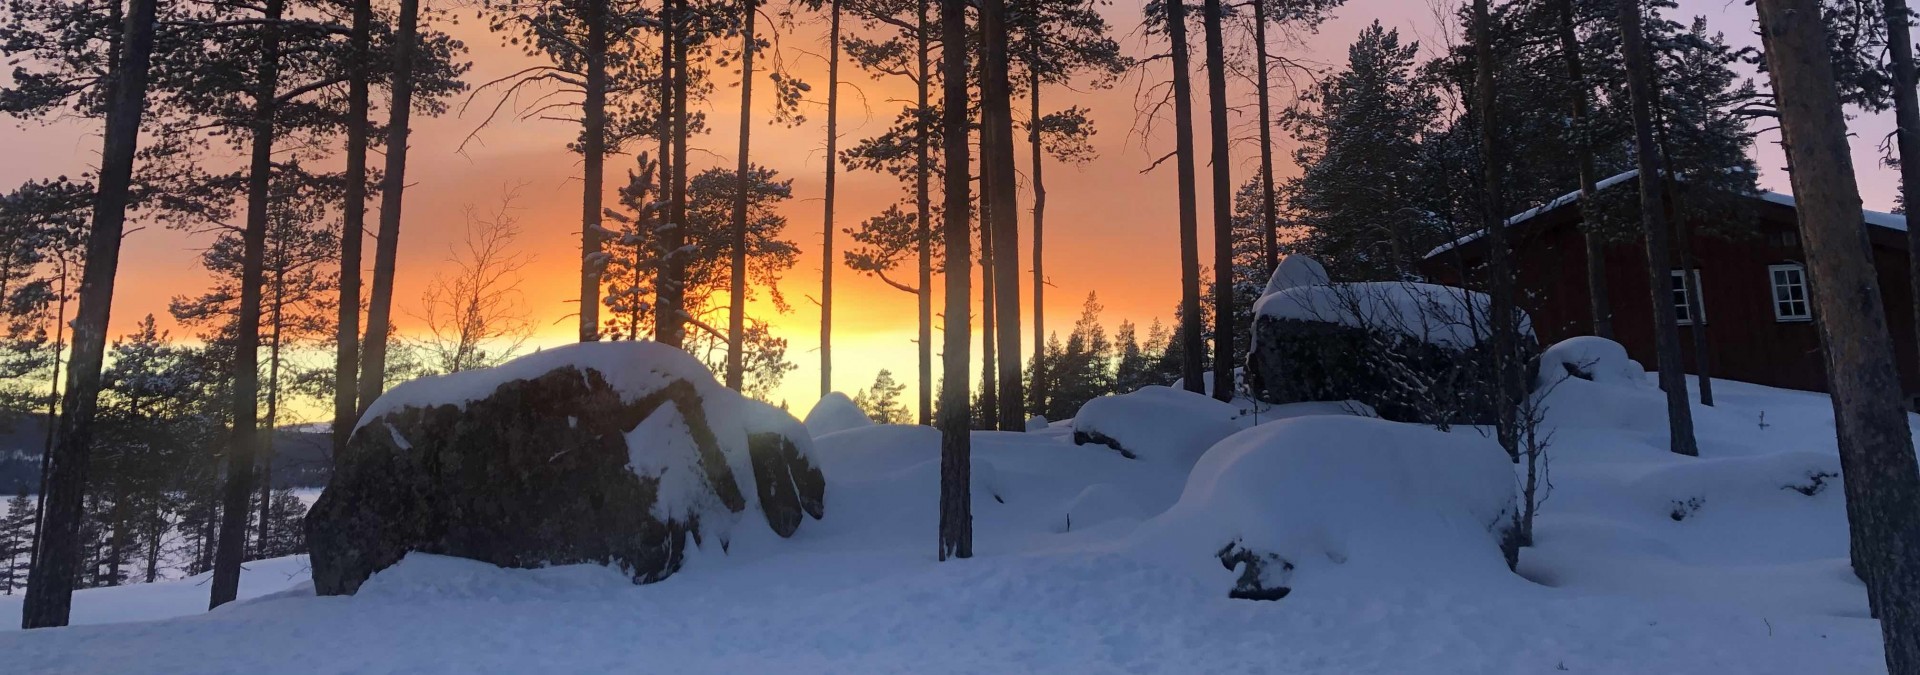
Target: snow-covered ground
1087,561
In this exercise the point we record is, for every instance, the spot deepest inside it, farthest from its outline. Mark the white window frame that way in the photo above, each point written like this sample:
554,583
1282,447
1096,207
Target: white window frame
1773,292
1680,306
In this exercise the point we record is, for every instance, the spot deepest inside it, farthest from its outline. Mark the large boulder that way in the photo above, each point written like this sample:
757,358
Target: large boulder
1414,352
609,453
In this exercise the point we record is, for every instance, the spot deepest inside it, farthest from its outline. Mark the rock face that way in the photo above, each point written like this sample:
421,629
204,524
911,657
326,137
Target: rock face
608,453
1411,351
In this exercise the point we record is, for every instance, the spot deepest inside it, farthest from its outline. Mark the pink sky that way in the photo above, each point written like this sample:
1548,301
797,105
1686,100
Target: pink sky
1110,228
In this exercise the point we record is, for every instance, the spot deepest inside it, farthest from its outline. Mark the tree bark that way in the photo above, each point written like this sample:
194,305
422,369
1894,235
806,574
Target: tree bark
956,503
923,201
1504,325
231,549
737,310
1223,321
1906,114
273,408
353,229
669,320
373,363
1596,250
996,150
49,597
1037,176
593,150
1653,220
663,128
1191,341
989,372
1269,237
1876,447
833,158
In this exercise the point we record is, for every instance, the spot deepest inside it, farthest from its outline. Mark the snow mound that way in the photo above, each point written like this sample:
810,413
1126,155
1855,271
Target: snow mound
635,369
835,412
1591,358
1311,500
1296,271
426,577
1099,503
1037,423
1439,315
1156,423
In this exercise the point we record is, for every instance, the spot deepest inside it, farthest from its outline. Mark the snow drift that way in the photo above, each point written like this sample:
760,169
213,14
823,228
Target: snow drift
835,412
1161,424
1301,502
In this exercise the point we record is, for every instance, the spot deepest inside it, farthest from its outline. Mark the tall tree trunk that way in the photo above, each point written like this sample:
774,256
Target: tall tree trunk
49,596
1504,325
833,159
923,201
353,228
593,151
669,318
737,288
1223,322
996,156
1036,175
1596,250
1876,448
373,363
245,441
1191,341
956,445
53,411
1906,113
273,409
1697,330
989,373
1269,216
1653,219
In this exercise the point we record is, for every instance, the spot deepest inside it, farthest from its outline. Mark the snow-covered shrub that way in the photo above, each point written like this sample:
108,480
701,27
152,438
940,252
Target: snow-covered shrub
1156,423
1591,358
835,413
1307,501
607,452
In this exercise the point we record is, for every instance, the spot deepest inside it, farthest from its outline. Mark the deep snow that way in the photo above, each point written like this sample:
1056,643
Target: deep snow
1751,578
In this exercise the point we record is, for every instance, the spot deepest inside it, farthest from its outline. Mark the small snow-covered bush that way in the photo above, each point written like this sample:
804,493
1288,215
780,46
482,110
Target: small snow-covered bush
1305,501
1591,358
1156,424
835,413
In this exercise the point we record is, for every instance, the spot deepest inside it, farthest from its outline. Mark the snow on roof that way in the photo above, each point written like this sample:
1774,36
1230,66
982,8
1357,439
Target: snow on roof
1439,315
1875,218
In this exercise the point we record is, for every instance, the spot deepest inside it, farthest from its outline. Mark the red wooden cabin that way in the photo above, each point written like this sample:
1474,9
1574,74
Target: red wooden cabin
1758,319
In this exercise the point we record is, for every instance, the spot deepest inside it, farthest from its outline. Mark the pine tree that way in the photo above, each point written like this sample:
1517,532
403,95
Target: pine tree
956,443
882,401
1359,133
1170,17
16,541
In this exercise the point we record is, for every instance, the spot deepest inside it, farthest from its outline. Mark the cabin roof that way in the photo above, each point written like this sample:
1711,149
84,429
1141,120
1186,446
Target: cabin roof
1876,218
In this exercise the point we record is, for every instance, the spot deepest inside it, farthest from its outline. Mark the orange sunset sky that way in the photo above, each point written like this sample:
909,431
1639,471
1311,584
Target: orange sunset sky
1110,228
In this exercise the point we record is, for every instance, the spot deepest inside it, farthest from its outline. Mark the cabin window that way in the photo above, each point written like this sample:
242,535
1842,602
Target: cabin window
1681,311
1790,292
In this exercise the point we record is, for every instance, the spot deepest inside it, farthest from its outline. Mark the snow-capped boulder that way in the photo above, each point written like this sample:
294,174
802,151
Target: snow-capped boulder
606,452
1591,358
1294,272
835,413
1412,351
1319,500
1156,423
